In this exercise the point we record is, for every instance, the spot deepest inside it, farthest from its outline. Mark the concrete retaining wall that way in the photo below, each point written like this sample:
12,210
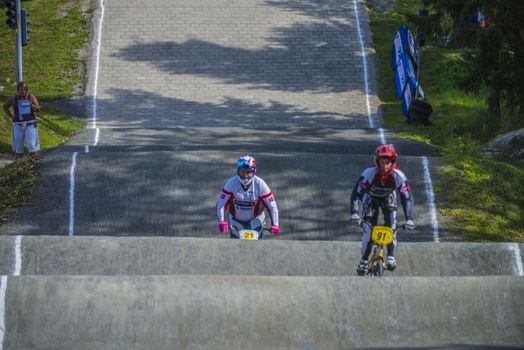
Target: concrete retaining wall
165,255
249,312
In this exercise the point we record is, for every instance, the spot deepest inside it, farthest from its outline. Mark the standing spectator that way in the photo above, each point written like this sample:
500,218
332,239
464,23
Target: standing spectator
25,131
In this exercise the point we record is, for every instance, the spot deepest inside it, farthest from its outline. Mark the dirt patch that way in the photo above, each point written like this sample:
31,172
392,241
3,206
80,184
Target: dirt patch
64,8
382,5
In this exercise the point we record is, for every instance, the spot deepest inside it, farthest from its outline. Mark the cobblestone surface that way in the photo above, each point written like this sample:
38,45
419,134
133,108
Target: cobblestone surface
221,62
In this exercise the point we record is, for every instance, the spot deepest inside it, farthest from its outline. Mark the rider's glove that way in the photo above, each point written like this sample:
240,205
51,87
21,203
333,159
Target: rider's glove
274,229
410,225
223,226
355,219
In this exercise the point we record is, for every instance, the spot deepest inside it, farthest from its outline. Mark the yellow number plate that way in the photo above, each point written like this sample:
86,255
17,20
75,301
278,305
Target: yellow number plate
246,234
382,235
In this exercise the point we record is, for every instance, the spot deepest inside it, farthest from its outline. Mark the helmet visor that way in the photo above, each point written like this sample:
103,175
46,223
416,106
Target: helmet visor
385,164
245,173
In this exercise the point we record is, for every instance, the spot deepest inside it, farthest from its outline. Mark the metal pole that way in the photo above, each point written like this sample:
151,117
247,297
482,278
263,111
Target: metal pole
19,70
419,53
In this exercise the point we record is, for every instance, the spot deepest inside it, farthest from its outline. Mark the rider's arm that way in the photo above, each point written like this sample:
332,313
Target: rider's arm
222,204
269,202
356,196
266,197
406,199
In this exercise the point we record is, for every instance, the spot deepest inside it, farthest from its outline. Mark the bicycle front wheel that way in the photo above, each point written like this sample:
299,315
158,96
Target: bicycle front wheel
379,268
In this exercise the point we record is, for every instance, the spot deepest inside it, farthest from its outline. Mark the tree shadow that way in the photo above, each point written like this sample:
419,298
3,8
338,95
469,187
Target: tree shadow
314,57
151,109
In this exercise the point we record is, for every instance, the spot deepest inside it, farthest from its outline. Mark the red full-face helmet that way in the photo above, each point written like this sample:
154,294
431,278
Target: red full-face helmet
386,152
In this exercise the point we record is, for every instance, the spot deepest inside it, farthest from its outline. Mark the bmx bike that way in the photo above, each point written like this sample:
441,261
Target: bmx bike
381,236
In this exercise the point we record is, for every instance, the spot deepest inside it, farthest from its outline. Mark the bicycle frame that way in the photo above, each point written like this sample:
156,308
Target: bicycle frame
381,237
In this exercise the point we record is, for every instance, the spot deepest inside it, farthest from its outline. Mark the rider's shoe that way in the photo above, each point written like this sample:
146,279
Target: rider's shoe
391,263
361,268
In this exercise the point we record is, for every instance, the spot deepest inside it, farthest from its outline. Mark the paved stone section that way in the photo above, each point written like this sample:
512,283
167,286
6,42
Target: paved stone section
51,255
236,312
327,140
203,62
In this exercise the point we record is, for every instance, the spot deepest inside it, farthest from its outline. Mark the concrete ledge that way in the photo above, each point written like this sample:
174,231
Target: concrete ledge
248,312
53,255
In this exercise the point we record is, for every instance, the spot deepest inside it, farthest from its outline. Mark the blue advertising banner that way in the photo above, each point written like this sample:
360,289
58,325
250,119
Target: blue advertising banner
404,73
404,43
403,62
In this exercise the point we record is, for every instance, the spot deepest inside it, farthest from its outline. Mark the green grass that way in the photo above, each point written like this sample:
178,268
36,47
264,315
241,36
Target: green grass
479,199
16,183
53,69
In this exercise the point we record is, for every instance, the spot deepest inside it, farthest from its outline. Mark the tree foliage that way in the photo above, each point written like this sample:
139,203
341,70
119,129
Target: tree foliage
493,33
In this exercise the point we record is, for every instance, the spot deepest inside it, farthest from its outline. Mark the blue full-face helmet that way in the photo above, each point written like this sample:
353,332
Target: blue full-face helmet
246,169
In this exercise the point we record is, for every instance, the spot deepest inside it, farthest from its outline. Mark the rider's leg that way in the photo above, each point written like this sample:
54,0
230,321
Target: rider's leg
365,243
390,217
257,224
235,226
370,212
370,216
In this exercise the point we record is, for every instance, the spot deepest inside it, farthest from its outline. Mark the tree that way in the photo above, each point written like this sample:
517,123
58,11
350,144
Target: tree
493,29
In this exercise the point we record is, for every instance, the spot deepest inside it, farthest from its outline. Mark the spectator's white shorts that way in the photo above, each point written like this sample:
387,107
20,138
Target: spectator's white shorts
25,133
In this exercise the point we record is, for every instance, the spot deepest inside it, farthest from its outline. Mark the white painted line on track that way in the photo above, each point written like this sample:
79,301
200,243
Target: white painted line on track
430,198
382,136
72,195
97,61
519,270
365,64
3,288
97,137
18,256
93,123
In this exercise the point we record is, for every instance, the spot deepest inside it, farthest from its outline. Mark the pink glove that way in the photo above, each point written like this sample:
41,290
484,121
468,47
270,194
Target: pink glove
223,226
274,229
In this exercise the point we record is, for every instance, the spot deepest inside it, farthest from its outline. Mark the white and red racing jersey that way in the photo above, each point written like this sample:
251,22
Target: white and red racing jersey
246,204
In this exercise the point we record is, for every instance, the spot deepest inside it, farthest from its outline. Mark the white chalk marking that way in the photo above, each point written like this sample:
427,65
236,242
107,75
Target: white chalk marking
430,198
97,60
382,136
3,288
18,256
97,136
519,270
364,62
72,196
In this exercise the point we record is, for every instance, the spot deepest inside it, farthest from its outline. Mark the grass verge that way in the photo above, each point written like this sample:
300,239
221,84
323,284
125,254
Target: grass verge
479,199
54,69
16,183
